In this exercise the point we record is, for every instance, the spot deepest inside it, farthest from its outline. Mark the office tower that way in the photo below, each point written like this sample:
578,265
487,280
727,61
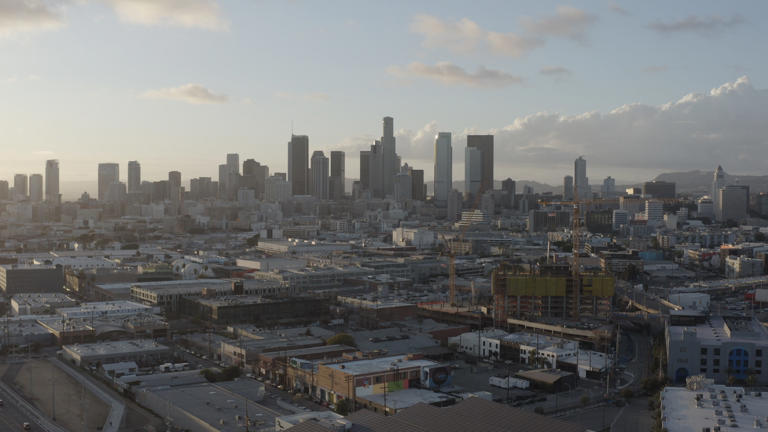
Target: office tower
609,187
705,207
36,187
580,180
620,218
320,175
403,187
52,192
254,177
298,164
443,166
654,211
109,173
233,175
390,161
484,143
473,175
336,182
159,191
365,169
509,188
659,189
116,193
223,174
419,189
718,182
4,190
134,177
20,186
174,188
568,188
762,203
733,203
277,188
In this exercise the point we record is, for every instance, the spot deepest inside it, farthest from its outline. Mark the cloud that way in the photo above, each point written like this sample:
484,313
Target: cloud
695,24
451,74
725,125
189,93
554,71
567,22
465,35
203,14
20,16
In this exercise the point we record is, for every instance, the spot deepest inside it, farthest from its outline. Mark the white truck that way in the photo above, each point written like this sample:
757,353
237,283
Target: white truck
508,382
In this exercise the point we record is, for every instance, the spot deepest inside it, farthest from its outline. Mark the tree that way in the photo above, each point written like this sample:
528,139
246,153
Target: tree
343,407
253,241
341,339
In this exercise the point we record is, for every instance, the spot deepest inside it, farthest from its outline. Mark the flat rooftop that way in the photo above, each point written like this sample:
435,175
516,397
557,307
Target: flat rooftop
381,364
717,330
718,404
116,347
401,399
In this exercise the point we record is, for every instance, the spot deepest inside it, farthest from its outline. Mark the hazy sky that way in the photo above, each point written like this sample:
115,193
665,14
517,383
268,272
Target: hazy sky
637,87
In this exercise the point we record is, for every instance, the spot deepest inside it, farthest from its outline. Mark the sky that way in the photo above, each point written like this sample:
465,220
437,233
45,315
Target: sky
638,88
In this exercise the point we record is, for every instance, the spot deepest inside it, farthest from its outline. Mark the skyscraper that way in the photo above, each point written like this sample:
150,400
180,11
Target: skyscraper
4,190
298,164
36,187
403,187
20,186
568,188
233,175
419,188
365,169
109,173
320,175
733,203
718,182
580,180
609,186
443,176
337,175
52,194
222,189
484,144
254,177
134,177
390,161
174,188
473,167
659,189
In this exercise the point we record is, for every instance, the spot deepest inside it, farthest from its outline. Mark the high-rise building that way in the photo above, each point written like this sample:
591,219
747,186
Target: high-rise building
620,218
134,177
175,192
298,164
509,188
4,190
403,185
223,174
580,180
233,175
568,188
337,179
718,182
390,161
443,166
254,177
109,173
36,187
484,144
419,189
52,191
473,171
365,169
654,211
320,175
20,186
659,189
733,203
609,188
277,188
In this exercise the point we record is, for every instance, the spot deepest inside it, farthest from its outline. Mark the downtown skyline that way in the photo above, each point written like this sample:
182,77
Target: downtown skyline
522,79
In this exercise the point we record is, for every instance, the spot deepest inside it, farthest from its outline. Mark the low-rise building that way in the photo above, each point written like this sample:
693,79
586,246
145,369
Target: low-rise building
141,351
19,279
40,303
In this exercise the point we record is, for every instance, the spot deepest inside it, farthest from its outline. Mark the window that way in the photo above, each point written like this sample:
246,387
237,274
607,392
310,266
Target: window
717,351
758,363
703,370
704,351
715,370
703,362
716,362
758,353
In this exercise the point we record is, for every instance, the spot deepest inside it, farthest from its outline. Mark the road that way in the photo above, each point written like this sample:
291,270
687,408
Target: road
12,417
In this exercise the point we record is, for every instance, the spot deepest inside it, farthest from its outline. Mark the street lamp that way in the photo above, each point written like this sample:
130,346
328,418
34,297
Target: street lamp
509,364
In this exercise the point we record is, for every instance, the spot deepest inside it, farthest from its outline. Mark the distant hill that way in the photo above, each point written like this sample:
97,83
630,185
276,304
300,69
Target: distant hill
701,181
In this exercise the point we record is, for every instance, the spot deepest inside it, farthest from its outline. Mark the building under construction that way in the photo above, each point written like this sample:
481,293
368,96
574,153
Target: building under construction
551,291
